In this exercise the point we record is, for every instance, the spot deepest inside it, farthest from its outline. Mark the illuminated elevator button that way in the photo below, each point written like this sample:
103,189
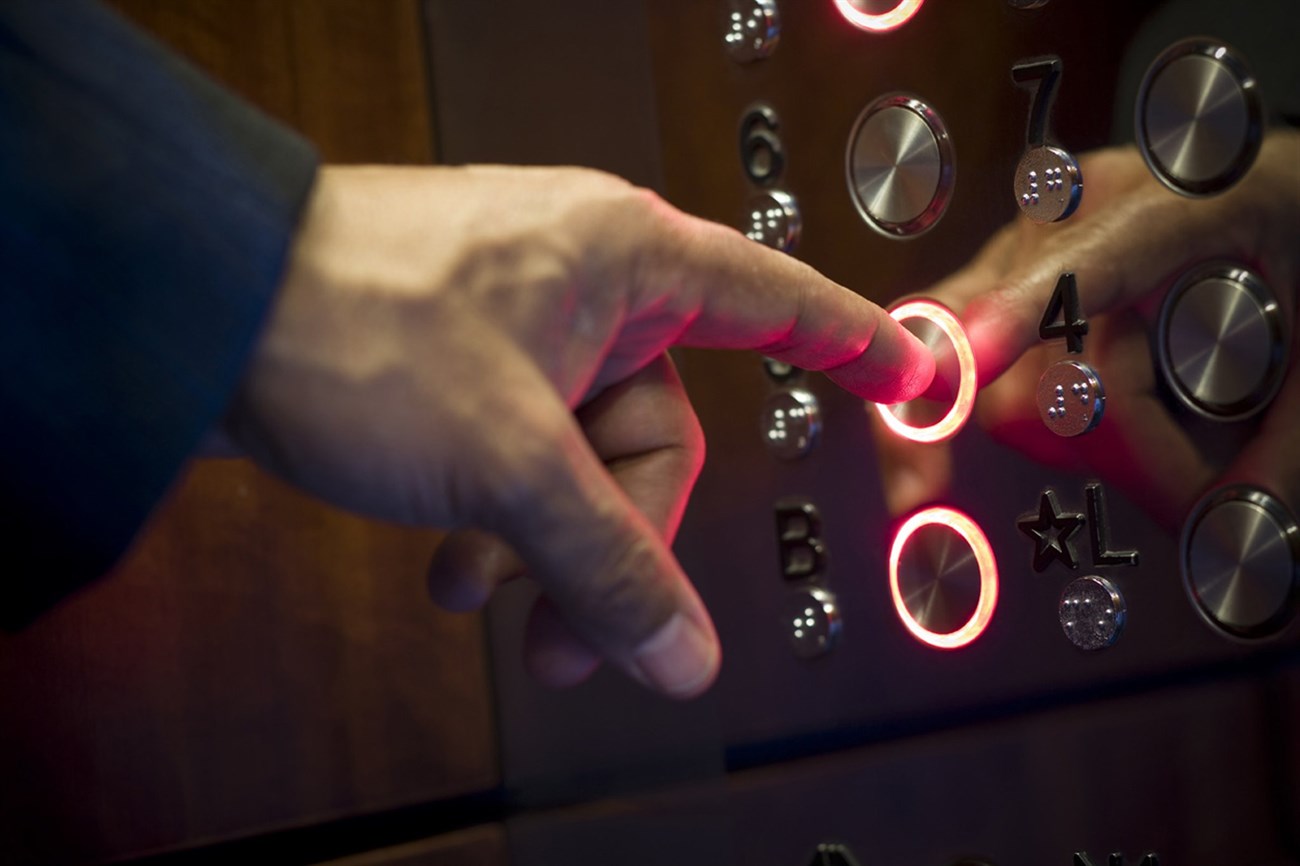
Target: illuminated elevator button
1198,117
878,15
1048,184
1092,612
753,29
791,423
900,167
1221,341
947,406
1241,562
812,622
943,577
773,219
1070,398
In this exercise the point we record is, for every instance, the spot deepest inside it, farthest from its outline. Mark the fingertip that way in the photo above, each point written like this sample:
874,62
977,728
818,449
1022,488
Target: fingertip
681,659
894,367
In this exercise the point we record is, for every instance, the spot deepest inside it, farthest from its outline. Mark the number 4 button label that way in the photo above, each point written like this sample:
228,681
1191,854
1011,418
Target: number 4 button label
1064,306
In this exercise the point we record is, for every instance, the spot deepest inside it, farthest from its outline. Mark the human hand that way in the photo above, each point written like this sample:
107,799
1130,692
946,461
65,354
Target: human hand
484,349
1129,240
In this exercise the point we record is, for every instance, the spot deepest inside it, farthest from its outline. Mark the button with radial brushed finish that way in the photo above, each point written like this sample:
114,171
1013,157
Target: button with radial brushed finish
1241,561
1222,341
899,164
1199,117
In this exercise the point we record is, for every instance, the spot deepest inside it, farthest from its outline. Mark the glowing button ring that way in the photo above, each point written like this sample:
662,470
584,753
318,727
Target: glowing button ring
988,566
878,23
956,417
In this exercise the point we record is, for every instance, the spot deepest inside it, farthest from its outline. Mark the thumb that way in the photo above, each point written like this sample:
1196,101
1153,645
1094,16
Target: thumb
600,562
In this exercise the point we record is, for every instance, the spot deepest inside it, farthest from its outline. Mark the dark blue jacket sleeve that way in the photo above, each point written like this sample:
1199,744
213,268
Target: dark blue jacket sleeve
145,219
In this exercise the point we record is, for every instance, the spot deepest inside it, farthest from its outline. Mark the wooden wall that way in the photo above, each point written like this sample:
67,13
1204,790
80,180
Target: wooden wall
259,661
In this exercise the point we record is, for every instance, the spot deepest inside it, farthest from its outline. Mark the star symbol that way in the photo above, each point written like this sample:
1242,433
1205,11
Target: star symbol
1051,530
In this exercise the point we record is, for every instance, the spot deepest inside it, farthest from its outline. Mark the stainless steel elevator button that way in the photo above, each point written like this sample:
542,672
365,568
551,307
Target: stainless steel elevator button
1048,184
878,16
812,621
1071,399
791,423
946,406
1198,117
1092,612
943,577
753,28
899,164
773,219
1222,341
1241,561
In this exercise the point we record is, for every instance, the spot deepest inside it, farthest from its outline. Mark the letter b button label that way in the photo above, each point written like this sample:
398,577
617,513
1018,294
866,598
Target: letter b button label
798,536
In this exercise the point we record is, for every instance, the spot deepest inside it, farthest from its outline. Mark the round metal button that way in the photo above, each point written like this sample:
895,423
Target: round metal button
878,15
943,577
1092,612
812,622
791,423
773,219
946,406
900,166
1198,117
1241,562
1048,184
1070,398
753,29
1222,341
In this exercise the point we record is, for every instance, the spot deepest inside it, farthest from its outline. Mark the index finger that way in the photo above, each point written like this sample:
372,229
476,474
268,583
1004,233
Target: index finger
742,295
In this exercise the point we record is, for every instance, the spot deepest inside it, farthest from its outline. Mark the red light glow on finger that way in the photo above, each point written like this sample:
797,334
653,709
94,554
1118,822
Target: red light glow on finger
988,567
882,21
959,413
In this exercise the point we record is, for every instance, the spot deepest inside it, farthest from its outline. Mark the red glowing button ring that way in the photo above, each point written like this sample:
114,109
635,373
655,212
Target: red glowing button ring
878,15
934,420
943,577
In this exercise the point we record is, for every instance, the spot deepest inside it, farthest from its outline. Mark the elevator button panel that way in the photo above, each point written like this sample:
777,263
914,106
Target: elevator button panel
1241,562
900,166
1222,341
1199,117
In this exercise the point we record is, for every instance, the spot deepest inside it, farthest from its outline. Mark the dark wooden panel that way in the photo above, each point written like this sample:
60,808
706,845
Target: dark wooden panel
259,661
480,846
349,74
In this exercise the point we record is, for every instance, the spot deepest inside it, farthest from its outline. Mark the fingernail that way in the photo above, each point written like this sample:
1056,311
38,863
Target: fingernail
679,659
